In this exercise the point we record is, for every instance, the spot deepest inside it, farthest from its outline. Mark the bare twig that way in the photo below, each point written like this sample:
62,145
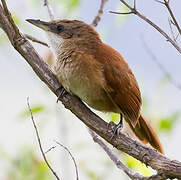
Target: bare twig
39,142
33,39
119,164
76,169
160,66
99,14
50,12
53,147
160,2
122,13
171,30
167,4
134,6
113,157
136,12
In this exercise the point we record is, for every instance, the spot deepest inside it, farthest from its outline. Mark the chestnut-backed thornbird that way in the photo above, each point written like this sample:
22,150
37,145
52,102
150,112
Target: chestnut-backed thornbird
97,74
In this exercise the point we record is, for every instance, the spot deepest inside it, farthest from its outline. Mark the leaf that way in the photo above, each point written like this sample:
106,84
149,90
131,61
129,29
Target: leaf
92,175
71,4
3,38
164,81
135,164
35,109
74,4
16,19
166,124
115,117
121,18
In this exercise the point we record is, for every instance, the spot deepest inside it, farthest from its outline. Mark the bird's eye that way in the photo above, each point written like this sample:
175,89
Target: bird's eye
60,28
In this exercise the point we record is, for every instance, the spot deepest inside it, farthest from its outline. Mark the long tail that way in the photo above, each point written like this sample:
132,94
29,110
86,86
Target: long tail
146,134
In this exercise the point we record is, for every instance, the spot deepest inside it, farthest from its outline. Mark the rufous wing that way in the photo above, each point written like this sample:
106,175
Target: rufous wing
120,84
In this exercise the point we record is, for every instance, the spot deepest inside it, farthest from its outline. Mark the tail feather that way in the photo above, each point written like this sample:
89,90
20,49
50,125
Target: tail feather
146,134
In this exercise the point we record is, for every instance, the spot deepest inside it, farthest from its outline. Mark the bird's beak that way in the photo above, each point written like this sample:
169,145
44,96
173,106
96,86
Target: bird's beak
41,24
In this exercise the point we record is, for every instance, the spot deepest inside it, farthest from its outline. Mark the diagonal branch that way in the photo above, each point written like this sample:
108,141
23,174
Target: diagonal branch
134,148
133,10
112,156
119,164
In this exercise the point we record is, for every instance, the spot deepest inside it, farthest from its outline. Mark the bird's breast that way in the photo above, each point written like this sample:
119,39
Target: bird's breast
86,81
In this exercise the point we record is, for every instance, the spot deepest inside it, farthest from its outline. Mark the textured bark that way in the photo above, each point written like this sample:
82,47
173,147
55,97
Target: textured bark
165,167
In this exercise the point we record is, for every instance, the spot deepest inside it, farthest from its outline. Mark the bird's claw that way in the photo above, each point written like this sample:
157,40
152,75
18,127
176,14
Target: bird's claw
61,93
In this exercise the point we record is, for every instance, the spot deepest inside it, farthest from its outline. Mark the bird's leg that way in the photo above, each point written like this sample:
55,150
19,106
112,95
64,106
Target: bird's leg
119,125
61,92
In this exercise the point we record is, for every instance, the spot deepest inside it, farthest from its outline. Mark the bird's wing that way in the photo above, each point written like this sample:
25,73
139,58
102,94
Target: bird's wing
120,84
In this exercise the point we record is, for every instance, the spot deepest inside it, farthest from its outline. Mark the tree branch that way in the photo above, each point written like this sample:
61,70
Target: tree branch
99,14
113,157
50,12
147,155
33,39
133,10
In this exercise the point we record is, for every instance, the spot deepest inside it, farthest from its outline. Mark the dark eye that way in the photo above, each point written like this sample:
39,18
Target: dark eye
60,28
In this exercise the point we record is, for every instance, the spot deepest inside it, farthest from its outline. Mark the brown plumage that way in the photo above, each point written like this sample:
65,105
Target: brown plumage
97,74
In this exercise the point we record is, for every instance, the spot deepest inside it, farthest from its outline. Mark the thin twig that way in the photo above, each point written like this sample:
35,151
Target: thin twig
50,12
99,14
76,169
171,30
33,39
113,157
39,142
134,7
160,2
122,13
160,66
136,12
167,4
53,147
119,164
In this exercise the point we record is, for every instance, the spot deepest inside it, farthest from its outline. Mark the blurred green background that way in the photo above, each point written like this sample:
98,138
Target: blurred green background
20,157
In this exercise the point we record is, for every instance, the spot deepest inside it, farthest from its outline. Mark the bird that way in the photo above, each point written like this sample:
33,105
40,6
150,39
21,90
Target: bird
97,74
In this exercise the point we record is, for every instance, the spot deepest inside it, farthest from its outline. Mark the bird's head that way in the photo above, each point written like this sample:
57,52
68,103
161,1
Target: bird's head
73,31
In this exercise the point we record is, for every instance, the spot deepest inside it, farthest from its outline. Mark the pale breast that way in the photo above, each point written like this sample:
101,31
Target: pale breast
86,81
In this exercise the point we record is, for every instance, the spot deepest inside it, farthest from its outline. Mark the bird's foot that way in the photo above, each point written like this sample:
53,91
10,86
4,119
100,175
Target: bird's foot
61,92
118,127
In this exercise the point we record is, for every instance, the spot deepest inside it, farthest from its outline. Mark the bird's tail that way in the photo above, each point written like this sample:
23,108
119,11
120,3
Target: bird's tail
146,134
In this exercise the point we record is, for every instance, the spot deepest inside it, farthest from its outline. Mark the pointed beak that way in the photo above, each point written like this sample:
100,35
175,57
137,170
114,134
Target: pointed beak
41,24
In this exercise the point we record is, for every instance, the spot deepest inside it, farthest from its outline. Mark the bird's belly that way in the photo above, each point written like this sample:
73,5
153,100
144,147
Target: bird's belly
93,95
86,88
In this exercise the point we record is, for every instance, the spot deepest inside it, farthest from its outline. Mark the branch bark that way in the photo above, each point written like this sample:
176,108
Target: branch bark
99,14
147,155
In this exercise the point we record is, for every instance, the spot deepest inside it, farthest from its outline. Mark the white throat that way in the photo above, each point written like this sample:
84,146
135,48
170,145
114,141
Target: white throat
55,42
